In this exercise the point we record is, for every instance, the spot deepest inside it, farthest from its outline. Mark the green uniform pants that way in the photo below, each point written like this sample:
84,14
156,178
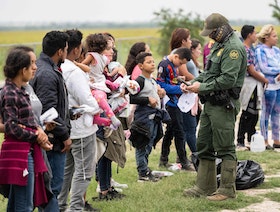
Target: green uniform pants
216,132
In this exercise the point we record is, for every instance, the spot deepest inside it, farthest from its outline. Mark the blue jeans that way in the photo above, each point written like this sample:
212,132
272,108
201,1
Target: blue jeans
142,155
21,197
189,126
57,163
104,172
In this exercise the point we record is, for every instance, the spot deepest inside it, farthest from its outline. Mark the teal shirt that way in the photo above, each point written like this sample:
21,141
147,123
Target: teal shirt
228,65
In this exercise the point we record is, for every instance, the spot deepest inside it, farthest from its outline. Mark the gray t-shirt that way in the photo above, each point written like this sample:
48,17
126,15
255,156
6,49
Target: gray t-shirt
150,89
192,68
36,104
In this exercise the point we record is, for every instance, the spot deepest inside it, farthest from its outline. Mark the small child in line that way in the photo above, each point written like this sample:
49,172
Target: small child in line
94,64
148,116
167,78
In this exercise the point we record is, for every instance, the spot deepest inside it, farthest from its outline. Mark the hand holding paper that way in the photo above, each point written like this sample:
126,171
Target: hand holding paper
49,116
186,101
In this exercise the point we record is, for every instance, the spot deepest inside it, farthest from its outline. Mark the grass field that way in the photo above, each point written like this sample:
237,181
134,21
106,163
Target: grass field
125,38
30,36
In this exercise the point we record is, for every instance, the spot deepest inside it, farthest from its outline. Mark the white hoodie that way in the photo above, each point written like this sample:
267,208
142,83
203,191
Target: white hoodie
77,83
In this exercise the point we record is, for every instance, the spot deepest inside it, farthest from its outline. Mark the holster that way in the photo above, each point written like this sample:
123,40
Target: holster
220,97
217,98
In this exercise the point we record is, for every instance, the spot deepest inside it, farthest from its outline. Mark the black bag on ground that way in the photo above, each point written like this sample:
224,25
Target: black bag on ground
249,174
140,135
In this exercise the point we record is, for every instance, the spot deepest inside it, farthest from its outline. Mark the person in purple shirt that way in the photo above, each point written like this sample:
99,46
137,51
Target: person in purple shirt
268,61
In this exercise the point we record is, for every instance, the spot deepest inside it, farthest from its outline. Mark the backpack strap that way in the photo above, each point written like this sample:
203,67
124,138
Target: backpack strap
141,81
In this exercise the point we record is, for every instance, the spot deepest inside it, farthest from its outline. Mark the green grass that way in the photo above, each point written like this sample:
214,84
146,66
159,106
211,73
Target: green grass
166,195
273,196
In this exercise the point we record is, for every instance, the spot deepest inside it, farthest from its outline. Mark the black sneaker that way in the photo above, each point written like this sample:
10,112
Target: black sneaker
114,194
149,177
276,146
101,197
110,195
268,147
88,207
188,167
164,164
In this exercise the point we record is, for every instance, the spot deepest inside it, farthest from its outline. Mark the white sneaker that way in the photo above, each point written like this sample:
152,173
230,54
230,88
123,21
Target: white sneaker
98,189
117,189
115,184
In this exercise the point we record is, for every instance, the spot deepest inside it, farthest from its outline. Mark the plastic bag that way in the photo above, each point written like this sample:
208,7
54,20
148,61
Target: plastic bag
175,167
249,174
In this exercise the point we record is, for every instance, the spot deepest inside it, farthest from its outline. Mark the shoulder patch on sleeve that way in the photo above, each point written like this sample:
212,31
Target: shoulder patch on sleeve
234,54
220,52
160,69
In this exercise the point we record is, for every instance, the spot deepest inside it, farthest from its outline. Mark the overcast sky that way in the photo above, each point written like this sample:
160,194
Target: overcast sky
38,11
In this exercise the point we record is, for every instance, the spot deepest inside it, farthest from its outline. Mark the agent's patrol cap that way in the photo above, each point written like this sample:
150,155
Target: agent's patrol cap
212,22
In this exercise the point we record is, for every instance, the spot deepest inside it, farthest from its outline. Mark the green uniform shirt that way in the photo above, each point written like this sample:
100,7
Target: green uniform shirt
228,65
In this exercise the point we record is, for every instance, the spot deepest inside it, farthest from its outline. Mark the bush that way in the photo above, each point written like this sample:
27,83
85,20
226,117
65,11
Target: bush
168,21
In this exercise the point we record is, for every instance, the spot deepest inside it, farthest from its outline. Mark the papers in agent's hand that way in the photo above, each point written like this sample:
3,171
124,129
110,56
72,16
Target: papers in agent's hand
186,101
49,116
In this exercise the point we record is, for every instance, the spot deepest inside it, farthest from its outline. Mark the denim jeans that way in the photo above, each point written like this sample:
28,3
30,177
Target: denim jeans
21,197
57,163
189,126
174,129
142,155
104,172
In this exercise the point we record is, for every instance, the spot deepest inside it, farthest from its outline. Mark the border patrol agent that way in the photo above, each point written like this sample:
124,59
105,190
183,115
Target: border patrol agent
218,87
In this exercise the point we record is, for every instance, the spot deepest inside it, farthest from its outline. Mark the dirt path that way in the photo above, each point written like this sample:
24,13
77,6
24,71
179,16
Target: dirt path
265,205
